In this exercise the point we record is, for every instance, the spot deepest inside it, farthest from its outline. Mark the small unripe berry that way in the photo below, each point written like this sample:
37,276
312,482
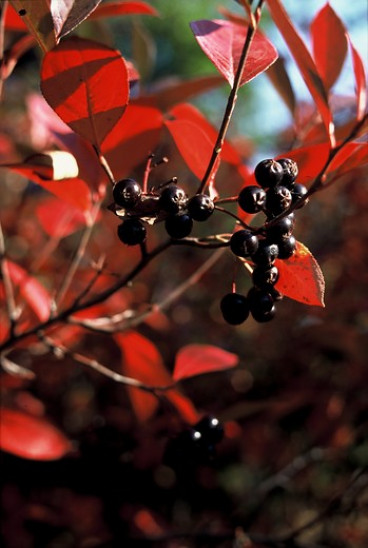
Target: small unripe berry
127,193
200,207
268,173
179,226
252,199
243,243
173,199
132,232
234,308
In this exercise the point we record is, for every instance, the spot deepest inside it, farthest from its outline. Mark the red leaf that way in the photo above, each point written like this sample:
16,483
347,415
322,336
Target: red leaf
58,219
37,17
310,160
350,156
87,85
360,81
301,278
222,41
329,44
123,8
196,359
305,63
31,437
31,290
12,55
13,21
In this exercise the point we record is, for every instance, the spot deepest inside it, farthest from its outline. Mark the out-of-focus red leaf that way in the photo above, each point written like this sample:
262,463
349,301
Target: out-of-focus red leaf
73,191
352,155
305,63
12,55
58,219
222,41
310,160
37,17
133,138
31,437
329,44
360,81
13,21
86,83
196,359
184,406
68,14
281,82
111,9
301,278
31,290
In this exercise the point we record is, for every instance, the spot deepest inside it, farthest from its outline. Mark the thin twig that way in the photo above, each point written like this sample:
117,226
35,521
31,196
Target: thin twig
104,164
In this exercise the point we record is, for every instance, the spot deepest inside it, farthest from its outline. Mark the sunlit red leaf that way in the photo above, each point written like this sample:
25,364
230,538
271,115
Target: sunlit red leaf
112,9
222,41
305,63
31,290
86,83
196,359
310,160
13,21
301,278
360,81
58,219
31,437
37,17
329,44
352,155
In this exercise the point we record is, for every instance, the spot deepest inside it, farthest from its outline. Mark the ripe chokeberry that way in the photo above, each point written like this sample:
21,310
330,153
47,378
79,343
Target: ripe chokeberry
200,207
268,173
262,316
234,308
172,199
266,254
211,429
278,199
243,243
252,199
297,192
287,247
132,232
260,300
127,193
291,171
179,226
265,277
280,229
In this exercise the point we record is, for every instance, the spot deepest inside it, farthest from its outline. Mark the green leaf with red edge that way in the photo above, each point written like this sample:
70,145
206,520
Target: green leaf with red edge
360,81
87,85
196,359
301,278
59,219
141,360
112,9
31,290
222,41
31,437
37,17
329,44
305,64
73,191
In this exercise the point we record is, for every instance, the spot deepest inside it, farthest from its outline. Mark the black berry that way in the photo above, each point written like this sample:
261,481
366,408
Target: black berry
260,300
211,429
291,171
234,308
200,207
278,199
268,173
287,247
265,277
266,253
297,192
127,193
280,229
243,243
252,199
179,226
262,317
173,199
132,232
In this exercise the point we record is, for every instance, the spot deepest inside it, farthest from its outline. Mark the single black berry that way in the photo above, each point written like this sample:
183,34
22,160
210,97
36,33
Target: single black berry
278,199
200,207
127,193
297,192
173,199
234,308
243,243
262,317
260,299
287,247
265,277
179,226
252,199
266,253
291,171
268,173
132,232
276,295
280,229
211,429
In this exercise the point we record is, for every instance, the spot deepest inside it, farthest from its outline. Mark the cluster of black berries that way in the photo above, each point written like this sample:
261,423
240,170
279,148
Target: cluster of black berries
277,191
172,204
196,444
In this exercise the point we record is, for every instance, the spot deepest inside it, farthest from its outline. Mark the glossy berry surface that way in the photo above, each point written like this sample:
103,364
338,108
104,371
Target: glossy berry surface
132,232
234,308
261,316
266,253
281,228
291,171
172,199
287,247
127,193
200,207
179,226
298,191
211,429
243,243
260,300
264,277
252,199
278,199
268,173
